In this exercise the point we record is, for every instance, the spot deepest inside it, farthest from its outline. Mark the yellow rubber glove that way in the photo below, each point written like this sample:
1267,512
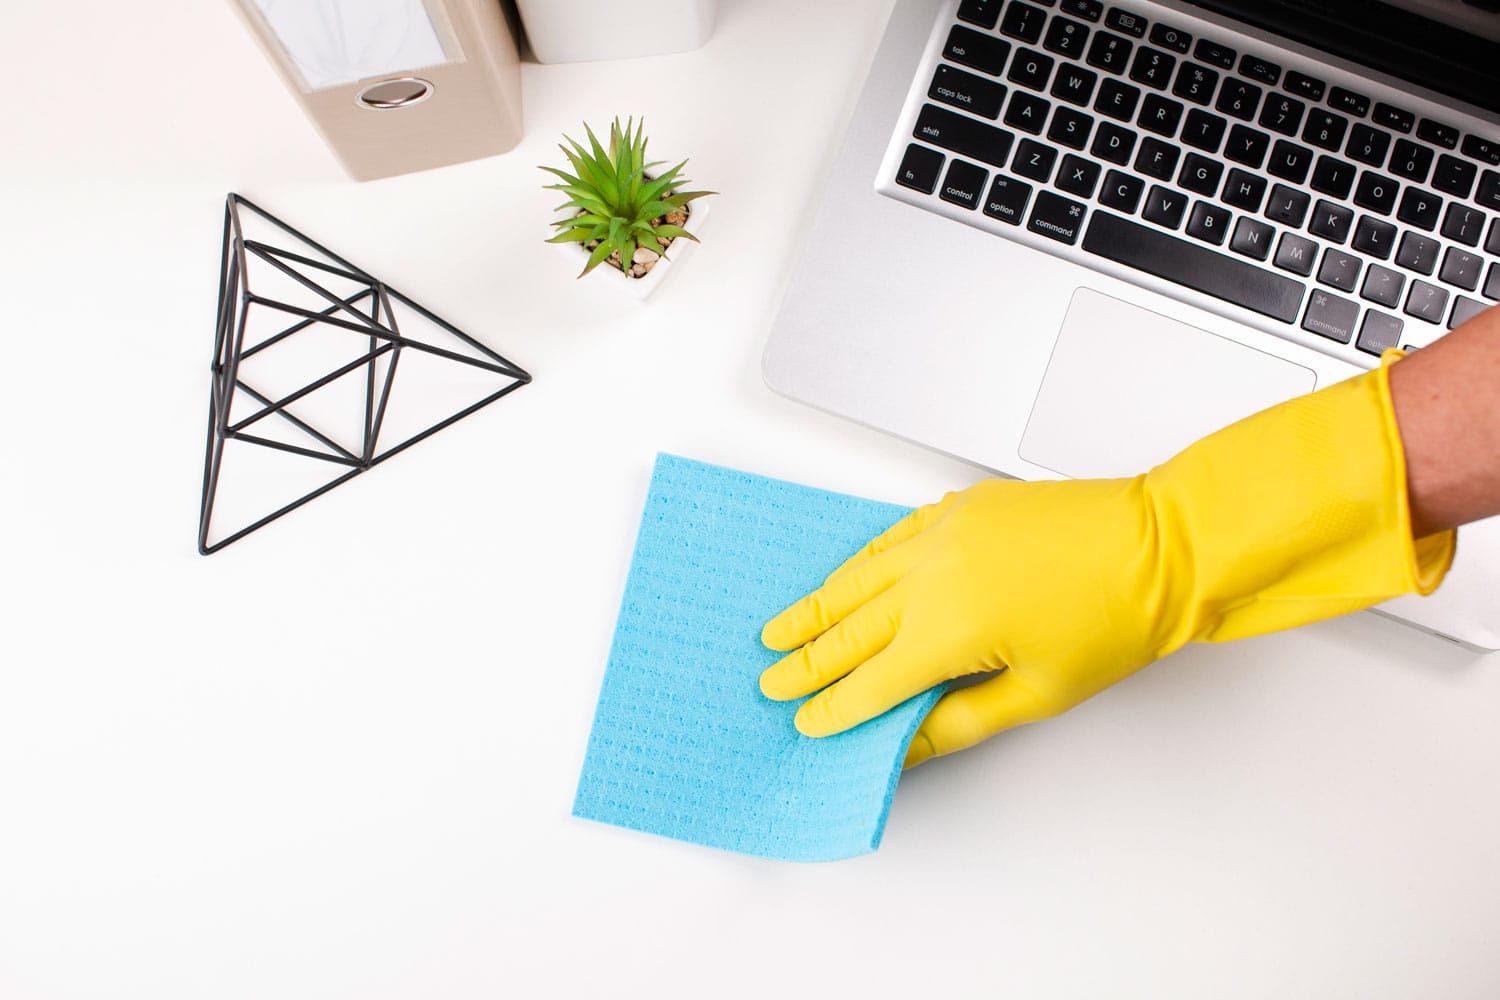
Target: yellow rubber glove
1294,514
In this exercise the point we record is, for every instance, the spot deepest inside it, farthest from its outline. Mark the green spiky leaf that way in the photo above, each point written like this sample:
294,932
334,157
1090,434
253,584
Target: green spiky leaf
615,195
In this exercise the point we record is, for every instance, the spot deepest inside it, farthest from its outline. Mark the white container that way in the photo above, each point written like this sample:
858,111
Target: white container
563,31
643,286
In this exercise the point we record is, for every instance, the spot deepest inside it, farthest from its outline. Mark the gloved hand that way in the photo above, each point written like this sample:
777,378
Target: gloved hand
1294,514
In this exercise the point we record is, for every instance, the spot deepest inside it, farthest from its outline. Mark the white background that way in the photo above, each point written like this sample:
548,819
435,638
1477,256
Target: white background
337,759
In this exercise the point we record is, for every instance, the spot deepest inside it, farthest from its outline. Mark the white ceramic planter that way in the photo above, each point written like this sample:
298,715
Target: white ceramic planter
580,30
643,286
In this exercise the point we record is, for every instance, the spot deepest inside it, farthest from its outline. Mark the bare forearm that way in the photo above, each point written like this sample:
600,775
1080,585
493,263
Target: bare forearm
1447,401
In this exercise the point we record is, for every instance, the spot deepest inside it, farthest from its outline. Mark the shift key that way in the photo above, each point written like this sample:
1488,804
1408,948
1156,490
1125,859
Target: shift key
1057,217
964,135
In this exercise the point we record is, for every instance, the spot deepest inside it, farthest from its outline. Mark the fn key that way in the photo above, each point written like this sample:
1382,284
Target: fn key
920,168
1056,217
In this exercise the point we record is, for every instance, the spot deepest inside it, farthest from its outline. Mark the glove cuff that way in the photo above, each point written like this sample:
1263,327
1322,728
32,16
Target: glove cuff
1295,514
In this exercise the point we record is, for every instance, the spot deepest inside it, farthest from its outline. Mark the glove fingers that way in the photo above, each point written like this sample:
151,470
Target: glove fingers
970,715
879,684
841,594
836,652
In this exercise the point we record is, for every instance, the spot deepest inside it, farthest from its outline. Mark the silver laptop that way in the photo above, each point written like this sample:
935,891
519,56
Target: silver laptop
1065,238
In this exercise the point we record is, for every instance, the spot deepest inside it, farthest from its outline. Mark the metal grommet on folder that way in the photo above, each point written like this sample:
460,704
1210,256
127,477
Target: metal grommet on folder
402,92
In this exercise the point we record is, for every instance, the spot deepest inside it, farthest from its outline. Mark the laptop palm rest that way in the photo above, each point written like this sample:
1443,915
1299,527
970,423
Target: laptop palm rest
1127,388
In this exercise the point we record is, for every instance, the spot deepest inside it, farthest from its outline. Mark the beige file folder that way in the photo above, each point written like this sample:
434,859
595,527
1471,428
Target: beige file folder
397,85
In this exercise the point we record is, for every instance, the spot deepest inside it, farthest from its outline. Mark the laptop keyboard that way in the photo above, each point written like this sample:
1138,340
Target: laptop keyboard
1313,206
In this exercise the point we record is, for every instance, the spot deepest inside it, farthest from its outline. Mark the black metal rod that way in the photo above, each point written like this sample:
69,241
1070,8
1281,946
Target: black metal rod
301,425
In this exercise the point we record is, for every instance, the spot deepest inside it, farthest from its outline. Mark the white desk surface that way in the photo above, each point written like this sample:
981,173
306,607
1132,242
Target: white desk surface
336,760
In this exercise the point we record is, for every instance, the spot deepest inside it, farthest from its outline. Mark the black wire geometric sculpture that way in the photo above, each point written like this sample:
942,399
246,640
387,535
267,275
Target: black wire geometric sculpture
310,308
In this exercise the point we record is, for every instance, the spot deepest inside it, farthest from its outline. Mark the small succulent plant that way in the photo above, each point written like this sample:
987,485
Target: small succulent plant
614,203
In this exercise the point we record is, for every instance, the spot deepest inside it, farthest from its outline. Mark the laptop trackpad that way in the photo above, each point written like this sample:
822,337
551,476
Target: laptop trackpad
1128,388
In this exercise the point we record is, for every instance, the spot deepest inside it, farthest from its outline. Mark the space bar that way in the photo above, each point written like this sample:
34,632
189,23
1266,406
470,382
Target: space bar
1195,267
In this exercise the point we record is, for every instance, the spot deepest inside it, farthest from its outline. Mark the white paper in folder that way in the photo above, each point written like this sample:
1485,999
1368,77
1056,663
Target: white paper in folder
337,42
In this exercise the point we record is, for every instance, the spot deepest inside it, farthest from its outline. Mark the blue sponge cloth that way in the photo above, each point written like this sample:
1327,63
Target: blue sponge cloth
684,744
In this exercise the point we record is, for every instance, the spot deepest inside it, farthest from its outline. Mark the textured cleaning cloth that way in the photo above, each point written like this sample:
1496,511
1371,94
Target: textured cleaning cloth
684,744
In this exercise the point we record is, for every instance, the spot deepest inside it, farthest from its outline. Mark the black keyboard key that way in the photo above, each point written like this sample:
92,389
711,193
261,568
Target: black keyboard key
1244,190
1152,67
1213,52
1110,52
1489,189
1169,37
976,50
1368,145
964,184
1305,86
920,168
1027,113
1090,9
1069,127
1056,217
1339,270
1417,253
1034,161
1420,208
1066,37
1383,286
1463,224
1201,175
1348,102
1209,223
1257,68
1125,22
1492,282
1196,83
1393,117
965,90
1121,192
1007,200
1247,145
1325,129
1411,161
1376,193
1461,268
1330,221
1282,114
1333,176
1023,21
1117,100
1074,84
1374,237
1426,301
1492,242
981,12
1203,130
1379,333
1288,206
1252,238
1030,69
1464,309
1160,115
1454,176
963,135
1331,316
1078,176
1290,161
1238,99
1296,254
1157,159
1483,150
1164,206
1199,268
1113,143
1437,133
